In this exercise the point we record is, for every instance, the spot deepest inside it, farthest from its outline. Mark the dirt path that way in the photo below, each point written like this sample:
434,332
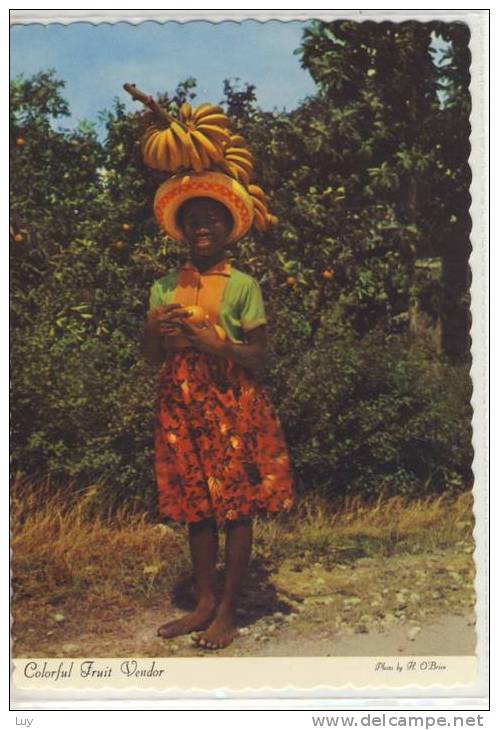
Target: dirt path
401,605
444,635
435,638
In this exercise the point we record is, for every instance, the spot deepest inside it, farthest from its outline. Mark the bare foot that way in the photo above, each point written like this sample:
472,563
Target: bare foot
220,632
199,619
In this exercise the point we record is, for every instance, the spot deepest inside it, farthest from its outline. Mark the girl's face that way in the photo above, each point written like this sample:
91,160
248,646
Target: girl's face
206,225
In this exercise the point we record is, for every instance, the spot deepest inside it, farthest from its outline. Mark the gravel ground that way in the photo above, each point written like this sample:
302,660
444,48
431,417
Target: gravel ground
407,605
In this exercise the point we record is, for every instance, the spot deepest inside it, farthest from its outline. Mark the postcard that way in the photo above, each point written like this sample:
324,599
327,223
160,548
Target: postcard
248,260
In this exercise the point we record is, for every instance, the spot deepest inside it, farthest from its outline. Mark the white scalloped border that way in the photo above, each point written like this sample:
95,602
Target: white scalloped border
64,17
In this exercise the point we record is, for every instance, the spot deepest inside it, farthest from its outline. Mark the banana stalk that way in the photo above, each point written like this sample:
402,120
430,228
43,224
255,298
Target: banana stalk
161,113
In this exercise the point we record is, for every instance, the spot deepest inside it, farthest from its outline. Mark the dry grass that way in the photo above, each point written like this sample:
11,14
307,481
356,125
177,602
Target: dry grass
388,526
71,547
66,547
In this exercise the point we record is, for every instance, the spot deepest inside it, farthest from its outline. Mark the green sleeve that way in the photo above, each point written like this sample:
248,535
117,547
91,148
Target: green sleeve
253,310
156,296
163,290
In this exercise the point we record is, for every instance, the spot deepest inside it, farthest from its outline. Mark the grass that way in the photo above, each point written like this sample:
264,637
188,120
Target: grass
84,572
67,547
388,526
64,546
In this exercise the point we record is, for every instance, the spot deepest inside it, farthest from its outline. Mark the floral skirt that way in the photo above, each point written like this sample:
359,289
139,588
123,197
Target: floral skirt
220,450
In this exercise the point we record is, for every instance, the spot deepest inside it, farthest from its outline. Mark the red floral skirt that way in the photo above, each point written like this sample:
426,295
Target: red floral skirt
220,450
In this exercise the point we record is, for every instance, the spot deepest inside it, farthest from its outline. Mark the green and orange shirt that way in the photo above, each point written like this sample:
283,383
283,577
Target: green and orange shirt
229,297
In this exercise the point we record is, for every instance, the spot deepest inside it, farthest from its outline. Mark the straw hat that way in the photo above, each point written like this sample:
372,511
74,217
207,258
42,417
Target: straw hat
173,193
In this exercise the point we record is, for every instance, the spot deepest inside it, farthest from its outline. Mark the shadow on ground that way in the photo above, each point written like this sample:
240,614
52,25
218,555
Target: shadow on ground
259,599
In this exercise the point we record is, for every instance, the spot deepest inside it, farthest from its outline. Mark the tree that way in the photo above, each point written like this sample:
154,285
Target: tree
452,189
336,276
344,170
405,148
54,177
82,398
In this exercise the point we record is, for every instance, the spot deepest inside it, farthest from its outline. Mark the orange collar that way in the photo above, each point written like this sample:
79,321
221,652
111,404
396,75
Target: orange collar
223,268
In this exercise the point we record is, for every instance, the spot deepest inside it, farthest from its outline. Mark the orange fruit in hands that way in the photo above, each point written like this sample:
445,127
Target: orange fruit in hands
197,316
197,313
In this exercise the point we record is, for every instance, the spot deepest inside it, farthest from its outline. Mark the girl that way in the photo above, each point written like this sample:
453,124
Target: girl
221,457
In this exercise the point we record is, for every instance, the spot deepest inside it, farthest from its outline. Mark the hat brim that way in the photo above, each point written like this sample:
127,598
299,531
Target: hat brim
173,193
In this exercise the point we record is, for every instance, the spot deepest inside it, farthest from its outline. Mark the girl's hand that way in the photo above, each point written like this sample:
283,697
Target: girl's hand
164,317
204,337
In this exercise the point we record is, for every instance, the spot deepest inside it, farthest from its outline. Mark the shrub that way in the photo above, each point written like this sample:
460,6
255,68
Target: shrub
371,415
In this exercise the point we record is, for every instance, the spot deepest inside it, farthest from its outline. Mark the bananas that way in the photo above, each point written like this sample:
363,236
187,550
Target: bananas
206,109
263,219
211,149
218,135
236,140
256,192
186,111
200,139
150,147
241,162
196,140
174,148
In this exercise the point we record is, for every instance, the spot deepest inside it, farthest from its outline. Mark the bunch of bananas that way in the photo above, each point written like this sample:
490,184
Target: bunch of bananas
200,139
194,141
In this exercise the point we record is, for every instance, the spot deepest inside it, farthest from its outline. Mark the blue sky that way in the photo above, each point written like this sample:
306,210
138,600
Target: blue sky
95,60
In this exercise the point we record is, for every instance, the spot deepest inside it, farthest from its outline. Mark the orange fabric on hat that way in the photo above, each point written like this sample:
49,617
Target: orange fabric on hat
173,193
205,289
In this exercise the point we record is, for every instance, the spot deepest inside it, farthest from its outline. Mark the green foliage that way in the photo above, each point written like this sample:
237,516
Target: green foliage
371,415
361,189
82,398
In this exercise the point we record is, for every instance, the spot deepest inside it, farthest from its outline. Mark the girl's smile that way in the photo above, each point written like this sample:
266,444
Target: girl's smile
202,240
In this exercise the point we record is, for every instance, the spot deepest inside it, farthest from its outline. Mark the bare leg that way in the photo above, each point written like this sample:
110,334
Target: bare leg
203,541
238,550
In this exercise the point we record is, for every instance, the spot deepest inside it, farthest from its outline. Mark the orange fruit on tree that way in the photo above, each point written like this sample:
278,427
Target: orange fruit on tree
291,280
328,274
128,226
19,238
20,142
119,245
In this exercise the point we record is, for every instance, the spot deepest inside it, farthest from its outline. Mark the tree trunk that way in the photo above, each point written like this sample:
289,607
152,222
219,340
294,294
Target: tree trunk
456,315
